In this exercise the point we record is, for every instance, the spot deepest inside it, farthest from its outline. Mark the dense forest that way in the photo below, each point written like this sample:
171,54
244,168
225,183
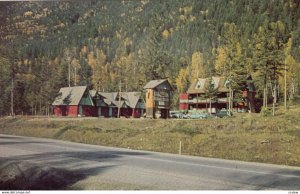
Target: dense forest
48,45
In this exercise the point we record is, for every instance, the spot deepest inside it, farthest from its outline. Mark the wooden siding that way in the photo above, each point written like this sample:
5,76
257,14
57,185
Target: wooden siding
150,112
150,104
150,99
72,111
59,111
88,111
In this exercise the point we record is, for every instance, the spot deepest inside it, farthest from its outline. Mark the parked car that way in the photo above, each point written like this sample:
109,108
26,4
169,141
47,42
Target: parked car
158,115
176,114
224,113
195,116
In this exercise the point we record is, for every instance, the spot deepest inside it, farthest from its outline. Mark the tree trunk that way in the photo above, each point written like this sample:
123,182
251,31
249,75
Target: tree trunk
35,109
69,72
227,104
230,100
210,105
75,77
46,109
274,99
292,91
285,87
266,97
40,112
197,103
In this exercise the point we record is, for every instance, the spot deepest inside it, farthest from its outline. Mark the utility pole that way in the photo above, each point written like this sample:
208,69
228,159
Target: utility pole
120,93
12,98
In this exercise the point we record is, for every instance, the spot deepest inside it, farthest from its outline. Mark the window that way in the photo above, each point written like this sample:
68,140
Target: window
227,82
198,85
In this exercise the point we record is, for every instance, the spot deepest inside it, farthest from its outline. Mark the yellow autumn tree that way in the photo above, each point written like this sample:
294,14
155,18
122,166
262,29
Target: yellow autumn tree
124,70
197,67
182,81
83,51
220,61
292,69
99,74
165,34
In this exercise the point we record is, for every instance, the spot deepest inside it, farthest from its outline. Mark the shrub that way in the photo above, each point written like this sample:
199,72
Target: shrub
265,112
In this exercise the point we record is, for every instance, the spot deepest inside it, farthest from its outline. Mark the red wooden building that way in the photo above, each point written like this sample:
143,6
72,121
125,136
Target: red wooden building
107,104
73,102
184,101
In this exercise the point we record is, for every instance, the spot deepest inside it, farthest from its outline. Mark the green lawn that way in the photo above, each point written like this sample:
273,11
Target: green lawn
247,137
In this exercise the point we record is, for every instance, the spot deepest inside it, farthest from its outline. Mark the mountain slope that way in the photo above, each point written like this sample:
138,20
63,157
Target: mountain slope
133,41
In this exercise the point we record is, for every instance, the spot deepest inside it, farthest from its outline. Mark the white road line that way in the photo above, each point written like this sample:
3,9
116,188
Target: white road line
218,167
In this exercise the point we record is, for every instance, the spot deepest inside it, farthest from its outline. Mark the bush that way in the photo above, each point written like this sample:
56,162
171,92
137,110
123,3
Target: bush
265,112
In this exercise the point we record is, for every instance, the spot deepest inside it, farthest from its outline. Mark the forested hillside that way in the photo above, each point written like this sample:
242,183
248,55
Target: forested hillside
105,42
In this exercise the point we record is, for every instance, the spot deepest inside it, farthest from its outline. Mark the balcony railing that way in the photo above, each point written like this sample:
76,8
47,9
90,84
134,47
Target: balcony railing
194,100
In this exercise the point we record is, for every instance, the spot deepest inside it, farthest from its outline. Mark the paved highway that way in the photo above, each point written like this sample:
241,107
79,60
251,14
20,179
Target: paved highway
81,166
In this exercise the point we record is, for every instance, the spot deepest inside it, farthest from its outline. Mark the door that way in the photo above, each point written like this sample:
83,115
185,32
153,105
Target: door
164,113
110,112
99,112
63,111
80,111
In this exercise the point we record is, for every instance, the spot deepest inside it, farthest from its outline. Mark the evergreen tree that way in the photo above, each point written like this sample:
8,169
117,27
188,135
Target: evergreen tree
5,83
210,93
269,52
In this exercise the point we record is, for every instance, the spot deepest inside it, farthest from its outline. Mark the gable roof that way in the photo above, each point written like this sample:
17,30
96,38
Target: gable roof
70,95
93,93
155,83
131,99
199,85
109,98
108,95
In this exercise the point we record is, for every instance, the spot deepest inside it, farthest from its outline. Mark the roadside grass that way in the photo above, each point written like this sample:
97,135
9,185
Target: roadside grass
246,137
